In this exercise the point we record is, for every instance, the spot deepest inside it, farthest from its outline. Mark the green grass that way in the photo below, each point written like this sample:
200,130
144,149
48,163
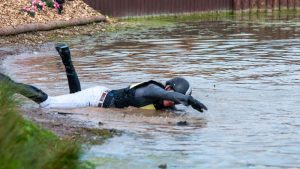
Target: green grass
25,145
168,19
165,19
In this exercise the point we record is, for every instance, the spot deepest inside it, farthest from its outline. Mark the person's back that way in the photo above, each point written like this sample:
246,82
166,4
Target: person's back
146,95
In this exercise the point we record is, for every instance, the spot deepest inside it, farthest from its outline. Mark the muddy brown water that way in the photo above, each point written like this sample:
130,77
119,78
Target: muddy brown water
246,72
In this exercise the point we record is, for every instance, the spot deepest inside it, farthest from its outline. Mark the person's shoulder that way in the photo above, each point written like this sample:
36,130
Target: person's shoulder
154,86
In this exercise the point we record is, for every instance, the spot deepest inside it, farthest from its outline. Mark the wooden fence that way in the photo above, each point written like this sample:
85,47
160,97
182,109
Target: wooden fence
265,4
122,8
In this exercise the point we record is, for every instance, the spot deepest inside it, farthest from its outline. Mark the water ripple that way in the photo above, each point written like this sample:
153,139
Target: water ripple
246,73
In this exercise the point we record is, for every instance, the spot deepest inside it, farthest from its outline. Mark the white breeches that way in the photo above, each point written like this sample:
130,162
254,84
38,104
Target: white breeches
86,98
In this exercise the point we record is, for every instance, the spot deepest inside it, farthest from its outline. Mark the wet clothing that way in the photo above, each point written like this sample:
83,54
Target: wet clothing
86,98
147,95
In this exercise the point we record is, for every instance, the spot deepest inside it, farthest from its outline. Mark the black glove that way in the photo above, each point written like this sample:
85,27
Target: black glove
196,104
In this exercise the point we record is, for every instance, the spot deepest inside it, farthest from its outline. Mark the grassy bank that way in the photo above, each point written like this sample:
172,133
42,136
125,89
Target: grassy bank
25,145
214,16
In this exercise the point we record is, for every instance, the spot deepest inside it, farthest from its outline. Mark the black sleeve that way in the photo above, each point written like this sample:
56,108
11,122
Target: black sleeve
156,92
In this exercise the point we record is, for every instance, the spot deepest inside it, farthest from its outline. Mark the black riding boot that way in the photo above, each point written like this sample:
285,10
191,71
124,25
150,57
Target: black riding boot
5,79
64,52
28,91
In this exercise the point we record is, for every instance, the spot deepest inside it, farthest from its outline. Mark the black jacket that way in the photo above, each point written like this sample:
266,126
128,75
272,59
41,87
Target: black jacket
148,95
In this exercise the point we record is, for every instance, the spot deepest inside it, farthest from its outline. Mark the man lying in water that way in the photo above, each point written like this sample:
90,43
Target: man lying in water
147,95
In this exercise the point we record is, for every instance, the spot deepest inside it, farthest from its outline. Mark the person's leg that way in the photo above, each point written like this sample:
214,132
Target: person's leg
28,91
86,98
65,54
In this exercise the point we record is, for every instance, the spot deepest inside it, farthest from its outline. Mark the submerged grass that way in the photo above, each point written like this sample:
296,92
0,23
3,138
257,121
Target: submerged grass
169,19
247,15
25,145
182,16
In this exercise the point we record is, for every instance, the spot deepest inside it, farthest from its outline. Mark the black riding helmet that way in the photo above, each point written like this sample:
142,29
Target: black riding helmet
180,85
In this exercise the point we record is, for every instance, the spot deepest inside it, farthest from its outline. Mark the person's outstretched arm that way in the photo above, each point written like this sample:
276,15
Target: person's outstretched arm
156,92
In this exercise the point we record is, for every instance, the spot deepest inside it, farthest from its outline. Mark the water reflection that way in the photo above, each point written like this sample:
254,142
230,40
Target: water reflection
246,72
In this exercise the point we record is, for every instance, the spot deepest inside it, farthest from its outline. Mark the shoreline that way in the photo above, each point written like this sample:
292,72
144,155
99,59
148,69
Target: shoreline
61,34
64,126
51,25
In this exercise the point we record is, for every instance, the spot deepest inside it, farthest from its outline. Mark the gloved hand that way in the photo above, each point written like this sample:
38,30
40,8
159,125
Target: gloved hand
196,104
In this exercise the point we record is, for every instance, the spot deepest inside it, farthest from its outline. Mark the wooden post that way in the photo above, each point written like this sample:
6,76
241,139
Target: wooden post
291,4
237,5
283,4
253,5
261,5
297,4
269,5
245,5
275,4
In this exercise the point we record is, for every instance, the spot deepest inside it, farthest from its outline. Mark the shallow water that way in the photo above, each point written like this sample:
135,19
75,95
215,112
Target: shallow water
247,73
